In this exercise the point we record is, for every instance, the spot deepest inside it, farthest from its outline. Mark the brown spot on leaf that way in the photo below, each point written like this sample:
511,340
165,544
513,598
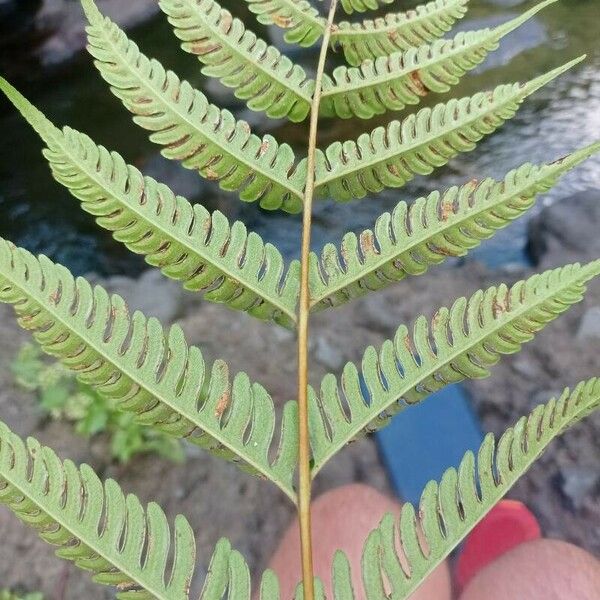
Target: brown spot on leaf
264,147
211,174
393,169
202,48
393,35
282,21
226,21
499,306
417,83
447,210
54,297
367,242
222,404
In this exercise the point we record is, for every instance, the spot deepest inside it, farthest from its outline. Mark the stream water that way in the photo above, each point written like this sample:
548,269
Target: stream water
37,213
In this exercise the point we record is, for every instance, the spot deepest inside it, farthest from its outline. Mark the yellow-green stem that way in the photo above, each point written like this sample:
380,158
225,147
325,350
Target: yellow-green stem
304,492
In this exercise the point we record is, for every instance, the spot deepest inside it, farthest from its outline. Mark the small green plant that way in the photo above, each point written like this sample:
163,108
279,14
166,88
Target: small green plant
65,397
153,374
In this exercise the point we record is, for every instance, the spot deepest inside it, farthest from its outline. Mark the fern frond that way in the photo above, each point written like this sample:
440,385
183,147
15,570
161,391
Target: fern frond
392,156
397,32
95,524
269,81
401,79
461,342
229,578
350,6
204,137
416,236
185,241
450,509
302,22
401,553
146,370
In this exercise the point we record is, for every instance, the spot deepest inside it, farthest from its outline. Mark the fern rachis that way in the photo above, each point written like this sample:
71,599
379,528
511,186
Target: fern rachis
150,371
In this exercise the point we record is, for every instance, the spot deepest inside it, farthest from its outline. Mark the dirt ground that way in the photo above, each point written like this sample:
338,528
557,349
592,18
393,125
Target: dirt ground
562,488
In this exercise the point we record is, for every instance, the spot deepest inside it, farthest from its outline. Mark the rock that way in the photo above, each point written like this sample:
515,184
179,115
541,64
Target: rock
578,483
376,313
328,355
182,181
526,367
153,294
566,231
65,22
589,326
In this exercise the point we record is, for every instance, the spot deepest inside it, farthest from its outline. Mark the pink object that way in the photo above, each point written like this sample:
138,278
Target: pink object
506,526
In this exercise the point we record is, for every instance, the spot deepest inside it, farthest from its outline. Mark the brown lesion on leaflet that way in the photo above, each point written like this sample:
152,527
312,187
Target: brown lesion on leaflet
499,306
447,209
223,403
211,174
367,243
417,83
282,21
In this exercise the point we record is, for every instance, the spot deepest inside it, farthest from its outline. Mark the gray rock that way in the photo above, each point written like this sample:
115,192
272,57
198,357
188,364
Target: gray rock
525,366
578,483
153,294
66,22
182,181
376,313
328,355
567,230
589,326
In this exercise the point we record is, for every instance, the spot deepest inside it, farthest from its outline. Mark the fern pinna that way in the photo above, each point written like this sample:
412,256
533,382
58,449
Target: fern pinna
151,371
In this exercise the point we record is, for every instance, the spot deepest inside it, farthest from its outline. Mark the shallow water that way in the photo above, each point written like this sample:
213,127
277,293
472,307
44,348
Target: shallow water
37,213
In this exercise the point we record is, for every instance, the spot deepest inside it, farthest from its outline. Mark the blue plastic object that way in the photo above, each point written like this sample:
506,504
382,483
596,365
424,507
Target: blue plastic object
424,440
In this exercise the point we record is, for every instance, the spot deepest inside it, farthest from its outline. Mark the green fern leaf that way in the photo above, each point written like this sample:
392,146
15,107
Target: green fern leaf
229,577
397,32
95,524
450,509
145,370
461,342
401,79
269,81
416,236
202,136
389,157
186,242
302,22
350,6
